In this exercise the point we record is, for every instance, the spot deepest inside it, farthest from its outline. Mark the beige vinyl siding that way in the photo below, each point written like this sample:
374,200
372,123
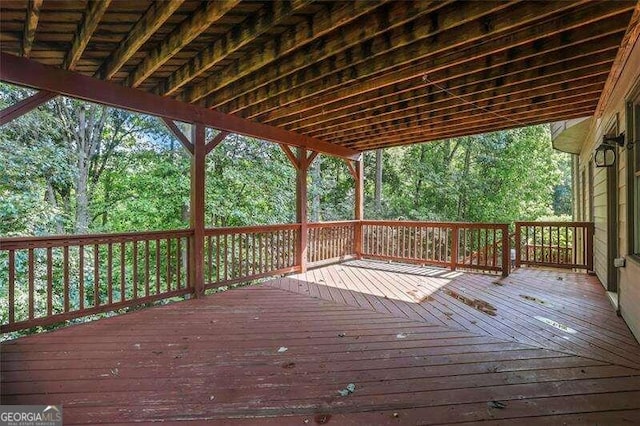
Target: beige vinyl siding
615,111
600,220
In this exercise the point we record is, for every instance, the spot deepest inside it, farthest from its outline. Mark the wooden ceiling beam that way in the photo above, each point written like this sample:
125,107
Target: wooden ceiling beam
482,93
25,72
185,33
507,65
393,50
30,26
428,63
371,33
467,113
153,18
90,20
332,16
238,37
487,128
521,117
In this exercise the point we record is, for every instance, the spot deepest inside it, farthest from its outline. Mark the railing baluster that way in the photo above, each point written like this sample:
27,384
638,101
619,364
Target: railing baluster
65,277
157,265
178,263
146,268
49,281
109,273
135,268
31,284
123,249
81,276
12,286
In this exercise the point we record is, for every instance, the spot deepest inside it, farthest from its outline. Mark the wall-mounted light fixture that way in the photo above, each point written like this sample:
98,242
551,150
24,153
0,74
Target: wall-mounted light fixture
605,155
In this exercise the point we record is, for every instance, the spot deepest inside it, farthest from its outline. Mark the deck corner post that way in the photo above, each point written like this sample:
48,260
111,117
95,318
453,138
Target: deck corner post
359,207
196,263
301,208
506,251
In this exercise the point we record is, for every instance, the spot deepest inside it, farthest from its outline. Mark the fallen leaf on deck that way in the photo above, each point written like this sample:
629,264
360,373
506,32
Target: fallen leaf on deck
282,349
401,336
341,334
288,365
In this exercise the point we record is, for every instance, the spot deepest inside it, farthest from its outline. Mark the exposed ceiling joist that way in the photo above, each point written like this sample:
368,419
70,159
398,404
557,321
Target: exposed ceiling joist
512,66
29,73
361,34
429,62
30,26
188,30
492,92
326,20
490,124
154,17
89,23
220,49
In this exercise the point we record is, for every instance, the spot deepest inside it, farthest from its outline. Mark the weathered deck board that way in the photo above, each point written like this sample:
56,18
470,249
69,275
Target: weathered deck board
574,300
216,359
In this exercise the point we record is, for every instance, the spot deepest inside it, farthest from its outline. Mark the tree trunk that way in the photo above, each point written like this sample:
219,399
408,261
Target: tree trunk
378,187
51,199
82,178
462,196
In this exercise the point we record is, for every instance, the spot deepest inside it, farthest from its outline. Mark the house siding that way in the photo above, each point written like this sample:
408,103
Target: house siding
614,114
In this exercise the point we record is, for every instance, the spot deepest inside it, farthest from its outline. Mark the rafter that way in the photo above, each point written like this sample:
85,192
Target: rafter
24,72
24,106
511,66
327,19
424,59
179,134
153,19
30,26
89,23
362,33
247,31
200,20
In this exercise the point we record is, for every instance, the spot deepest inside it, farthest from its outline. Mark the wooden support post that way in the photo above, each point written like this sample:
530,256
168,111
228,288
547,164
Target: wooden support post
301,208
518,244
196,263
359,207
506,251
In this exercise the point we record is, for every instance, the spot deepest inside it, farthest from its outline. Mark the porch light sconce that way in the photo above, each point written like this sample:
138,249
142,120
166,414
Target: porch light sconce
605,155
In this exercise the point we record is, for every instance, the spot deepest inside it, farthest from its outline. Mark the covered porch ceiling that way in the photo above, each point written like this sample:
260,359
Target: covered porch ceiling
360,75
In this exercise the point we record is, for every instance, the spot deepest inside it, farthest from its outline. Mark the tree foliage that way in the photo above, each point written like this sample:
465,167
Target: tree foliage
75,167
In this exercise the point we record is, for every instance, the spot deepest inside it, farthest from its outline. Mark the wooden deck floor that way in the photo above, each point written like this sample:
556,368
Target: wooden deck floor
416,354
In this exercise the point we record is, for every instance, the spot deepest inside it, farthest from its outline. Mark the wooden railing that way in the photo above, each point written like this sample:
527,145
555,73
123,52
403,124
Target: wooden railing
331,241
450,244
53,279
46,280
554,244
239,254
